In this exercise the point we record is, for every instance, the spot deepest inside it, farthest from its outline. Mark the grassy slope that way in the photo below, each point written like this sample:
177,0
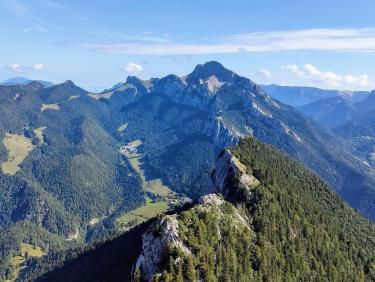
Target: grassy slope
153,186
18,147
18,263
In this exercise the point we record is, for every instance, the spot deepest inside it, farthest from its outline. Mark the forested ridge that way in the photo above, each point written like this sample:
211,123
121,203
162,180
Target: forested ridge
73,173
296,229
299,230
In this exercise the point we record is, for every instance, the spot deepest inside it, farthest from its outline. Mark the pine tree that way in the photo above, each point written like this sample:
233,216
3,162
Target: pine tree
190,269
179,276
137,275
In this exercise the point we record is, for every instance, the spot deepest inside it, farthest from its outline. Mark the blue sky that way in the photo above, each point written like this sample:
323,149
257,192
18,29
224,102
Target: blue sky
328,44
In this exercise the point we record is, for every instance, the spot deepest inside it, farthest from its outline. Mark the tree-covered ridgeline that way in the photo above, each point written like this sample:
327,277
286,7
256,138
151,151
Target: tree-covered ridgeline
299,230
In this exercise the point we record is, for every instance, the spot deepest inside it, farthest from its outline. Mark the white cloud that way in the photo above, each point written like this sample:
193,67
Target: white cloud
265,73
338,40
133,68
35,28
16,68
361,80
327,78
38,67
294,69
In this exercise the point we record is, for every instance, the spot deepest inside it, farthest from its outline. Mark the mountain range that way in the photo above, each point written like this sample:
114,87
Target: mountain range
24,81
330,112
298,96
349,114
338,110
80,166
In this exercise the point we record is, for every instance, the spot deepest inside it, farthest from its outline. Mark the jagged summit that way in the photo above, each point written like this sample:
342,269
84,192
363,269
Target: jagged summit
68,83
212,68
133,80
140,84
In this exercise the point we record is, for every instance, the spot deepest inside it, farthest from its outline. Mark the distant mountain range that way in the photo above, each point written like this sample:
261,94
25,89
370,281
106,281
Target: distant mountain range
298,96
78,166
359,132
24,81
331,112
353,121
350,115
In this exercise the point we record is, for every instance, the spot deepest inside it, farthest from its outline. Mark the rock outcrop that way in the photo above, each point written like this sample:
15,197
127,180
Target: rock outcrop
232,179
223,134
154,242
232,182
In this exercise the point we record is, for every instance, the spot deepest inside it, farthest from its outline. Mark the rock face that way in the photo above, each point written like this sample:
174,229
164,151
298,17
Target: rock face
232,181
142,86
231,177
154,241
222,133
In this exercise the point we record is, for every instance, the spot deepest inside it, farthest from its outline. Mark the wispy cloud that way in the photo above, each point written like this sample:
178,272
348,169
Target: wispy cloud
133,68
338,40
35,28
265,73
328,78
38,67
142,38
17,68
293,68
33,14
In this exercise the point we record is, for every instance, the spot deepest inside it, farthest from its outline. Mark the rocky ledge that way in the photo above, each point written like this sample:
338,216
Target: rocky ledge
233,183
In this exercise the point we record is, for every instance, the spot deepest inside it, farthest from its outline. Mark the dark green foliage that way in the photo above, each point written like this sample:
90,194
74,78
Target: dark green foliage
77,174
177,149
359,133
299,230
220,247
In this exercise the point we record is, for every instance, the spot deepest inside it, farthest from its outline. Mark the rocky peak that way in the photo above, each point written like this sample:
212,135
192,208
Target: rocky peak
142,86
211,76
232,179
68,83
61,92
154,242
211,69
